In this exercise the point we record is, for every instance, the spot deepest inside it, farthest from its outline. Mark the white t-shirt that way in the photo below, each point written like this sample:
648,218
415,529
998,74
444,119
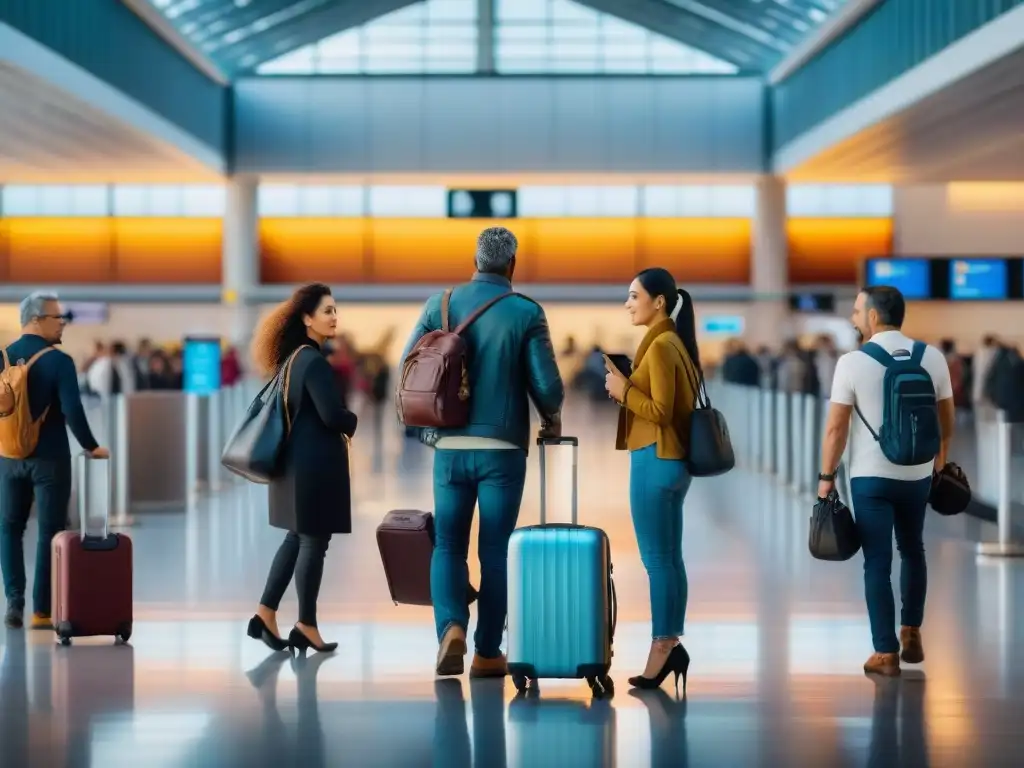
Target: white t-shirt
858,381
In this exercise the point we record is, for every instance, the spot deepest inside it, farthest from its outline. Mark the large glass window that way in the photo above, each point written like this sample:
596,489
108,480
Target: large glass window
839,200
553,36
54,200
311,200
171,200
434,37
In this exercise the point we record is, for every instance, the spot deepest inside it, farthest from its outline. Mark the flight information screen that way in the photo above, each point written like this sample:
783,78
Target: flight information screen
912,277
983,279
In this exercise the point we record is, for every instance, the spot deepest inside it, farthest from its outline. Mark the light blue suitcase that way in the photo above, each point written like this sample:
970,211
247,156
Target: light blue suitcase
561,598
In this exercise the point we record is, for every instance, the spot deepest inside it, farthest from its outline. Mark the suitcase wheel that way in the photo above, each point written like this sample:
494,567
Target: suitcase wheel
64,632
520,683
124,633
601,687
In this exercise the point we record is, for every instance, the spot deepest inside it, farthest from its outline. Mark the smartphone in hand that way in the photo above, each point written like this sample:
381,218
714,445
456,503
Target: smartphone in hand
620,363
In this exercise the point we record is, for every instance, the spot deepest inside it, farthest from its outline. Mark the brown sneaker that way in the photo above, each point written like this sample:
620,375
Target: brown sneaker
910,642
41,621
488,667
887,664
451,655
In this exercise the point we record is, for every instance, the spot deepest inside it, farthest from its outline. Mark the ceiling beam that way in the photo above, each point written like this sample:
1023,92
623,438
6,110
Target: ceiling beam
170,34
304,30
686,28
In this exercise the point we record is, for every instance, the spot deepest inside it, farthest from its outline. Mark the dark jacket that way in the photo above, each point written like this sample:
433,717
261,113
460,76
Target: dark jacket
511,360
53,384
313,494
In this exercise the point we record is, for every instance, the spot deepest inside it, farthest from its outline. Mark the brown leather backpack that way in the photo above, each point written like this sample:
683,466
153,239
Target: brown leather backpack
433,390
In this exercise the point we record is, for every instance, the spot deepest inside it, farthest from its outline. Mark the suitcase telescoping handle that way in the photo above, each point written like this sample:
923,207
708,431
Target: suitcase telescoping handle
89,491
544,442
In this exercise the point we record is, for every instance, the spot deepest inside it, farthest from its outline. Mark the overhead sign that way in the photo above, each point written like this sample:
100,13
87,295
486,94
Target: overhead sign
482,204
722,325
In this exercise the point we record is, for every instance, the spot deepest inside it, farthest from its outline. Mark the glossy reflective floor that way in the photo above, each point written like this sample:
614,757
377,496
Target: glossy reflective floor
777,641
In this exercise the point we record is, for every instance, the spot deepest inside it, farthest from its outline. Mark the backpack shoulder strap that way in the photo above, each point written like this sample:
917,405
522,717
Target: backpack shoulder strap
446,300
917,352
875,352
481,309
36,356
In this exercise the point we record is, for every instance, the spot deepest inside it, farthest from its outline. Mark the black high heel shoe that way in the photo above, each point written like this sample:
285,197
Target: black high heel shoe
301,643
678,662
258,631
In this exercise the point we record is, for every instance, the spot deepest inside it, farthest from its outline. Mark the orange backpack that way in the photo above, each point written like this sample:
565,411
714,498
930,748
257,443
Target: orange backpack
19,434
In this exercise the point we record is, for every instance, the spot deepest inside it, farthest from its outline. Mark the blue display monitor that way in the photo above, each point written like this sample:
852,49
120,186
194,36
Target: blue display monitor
978,279
722,325
912,277
201,375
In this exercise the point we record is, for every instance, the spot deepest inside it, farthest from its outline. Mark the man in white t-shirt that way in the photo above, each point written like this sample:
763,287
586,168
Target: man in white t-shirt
887,497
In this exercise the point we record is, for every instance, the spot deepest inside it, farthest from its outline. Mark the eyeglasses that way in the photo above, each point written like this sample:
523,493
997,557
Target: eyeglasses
66,317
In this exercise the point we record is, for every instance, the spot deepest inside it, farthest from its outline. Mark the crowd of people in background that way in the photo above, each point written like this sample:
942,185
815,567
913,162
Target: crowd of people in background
113,369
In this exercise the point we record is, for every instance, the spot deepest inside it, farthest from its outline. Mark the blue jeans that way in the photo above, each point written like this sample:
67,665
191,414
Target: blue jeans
883,506
657,488
48,483
495,479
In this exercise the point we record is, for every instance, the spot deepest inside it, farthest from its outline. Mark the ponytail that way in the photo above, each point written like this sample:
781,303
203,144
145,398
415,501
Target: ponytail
686,327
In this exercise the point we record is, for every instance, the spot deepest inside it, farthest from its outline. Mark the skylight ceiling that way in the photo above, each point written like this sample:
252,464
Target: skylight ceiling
748,35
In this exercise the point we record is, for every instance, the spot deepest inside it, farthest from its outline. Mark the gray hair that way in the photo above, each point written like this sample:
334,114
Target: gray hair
33,306
495,249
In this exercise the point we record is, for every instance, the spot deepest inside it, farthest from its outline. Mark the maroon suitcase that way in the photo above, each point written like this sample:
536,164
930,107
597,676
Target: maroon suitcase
406,542
92,574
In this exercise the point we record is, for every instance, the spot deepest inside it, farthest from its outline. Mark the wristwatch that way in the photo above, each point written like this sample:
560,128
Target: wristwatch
828,477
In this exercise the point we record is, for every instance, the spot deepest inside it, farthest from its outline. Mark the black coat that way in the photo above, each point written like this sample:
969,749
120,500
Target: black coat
312,495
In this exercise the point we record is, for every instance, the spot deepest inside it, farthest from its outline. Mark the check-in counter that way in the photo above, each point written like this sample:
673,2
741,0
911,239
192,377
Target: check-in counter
156,451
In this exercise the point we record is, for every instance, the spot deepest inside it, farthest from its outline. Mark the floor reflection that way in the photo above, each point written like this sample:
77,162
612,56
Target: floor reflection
777,641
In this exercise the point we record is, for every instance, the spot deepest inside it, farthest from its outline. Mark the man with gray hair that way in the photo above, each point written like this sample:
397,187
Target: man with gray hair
44,474
511,362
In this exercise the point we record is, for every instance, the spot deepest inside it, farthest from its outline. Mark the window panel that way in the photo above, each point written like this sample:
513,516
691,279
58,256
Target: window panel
342,46
130,200
733,201
19,200
624,66
277,200
203,200
408,201
563,10
694,202
164,201
521,64
541,202
660,201
452,10
340,66
527,10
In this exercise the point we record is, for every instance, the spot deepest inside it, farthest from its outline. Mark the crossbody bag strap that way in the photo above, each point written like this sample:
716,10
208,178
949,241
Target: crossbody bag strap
696,382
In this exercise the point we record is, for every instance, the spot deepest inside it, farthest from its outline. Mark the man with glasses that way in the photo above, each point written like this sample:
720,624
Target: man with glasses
44,476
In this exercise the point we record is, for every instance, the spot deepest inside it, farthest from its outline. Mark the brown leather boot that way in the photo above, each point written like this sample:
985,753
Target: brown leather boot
887,664
488,667
910,642
451,656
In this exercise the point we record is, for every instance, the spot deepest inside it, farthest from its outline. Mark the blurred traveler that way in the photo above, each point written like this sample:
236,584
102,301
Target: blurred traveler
898,395
825,358
654,426
311,499
34,468
161,377
739,366
230,368
980,367
957,371
112,373
791,371
140,363
512,362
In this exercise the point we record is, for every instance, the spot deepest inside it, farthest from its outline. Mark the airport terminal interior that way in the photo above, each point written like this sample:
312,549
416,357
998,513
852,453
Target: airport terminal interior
172,170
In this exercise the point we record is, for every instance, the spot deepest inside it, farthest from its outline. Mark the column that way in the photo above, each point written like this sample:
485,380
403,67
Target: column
240,257
485,37
769,265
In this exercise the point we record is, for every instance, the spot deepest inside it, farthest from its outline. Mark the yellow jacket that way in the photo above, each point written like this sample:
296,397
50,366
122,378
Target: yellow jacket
660,396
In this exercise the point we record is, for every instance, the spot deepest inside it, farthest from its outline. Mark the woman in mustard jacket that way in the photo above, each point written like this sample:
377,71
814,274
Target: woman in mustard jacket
654,424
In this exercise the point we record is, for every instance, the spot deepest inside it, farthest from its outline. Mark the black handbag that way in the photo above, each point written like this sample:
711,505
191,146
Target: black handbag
255,448
834,534
951,493
710,450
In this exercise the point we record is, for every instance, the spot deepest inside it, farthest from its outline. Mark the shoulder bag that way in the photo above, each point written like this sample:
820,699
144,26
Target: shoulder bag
255,448
710,450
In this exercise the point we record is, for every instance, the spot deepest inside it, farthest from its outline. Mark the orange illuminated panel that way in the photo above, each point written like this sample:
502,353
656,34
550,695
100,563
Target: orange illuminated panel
830,250
428,250
313,250
580,251
171,250
53,250
697,250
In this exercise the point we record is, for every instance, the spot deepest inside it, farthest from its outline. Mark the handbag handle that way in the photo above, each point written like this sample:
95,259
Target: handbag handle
287,370
698,385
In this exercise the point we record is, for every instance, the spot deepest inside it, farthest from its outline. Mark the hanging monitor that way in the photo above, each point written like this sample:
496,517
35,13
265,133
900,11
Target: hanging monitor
912,277
978,279
482,204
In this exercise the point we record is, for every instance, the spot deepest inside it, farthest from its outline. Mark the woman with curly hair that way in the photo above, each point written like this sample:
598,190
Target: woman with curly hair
311,497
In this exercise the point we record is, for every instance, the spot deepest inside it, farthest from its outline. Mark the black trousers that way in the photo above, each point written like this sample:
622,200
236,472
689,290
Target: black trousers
301,556
48,483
